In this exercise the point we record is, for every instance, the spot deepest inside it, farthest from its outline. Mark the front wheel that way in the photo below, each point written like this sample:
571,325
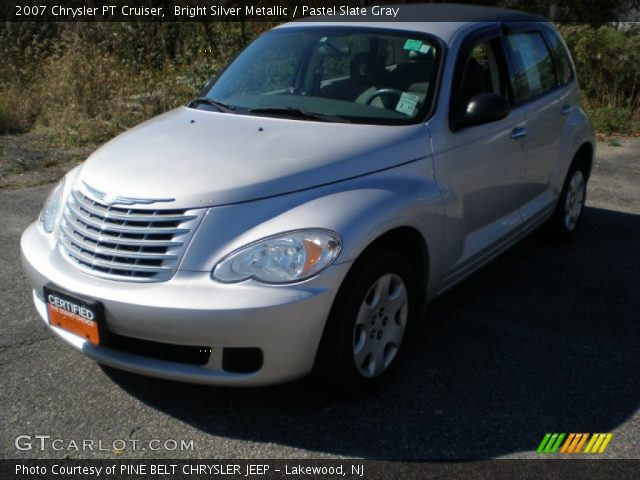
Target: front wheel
368,324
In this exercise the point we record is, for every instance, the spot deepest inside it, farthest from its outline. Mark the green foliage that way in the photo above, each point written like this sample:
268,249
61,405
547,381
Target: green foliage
609,120
84,82
608,64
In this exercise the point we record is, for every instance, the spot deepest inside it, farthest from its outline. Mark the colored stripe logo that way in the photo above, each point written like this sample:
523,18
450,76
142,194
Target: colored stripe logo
574,442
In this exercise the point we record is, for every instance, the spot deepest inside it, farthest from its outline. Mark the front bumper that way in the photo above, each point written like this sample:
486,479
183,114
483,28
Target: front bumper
284,322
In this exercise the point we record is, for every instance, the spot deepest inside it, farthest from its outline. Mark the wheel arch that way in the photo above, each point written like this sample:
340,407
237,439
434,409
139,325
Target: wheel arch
585,153
406,241
409,242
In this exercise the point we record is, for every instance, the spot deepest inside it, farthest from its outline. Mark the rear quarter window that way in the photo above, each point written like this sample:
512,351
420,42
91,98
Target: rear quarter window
561,59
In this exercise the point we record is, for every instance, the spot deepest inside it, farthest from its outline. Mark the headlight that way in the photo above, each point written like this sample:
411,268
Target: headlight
51,207
284,258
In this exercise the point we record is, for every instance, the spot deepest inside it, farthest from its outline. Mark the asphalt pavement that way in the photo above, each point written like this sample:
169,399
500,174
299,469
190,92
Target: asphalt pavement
545,339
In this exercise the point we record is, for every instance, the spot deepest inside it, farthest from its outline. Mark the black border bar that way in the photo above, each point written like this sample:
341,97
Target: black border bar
348,469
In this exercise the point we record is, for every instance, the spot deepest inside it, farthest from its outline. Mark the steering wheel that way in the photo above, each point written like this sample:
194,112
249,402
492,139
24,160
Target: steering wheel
384,91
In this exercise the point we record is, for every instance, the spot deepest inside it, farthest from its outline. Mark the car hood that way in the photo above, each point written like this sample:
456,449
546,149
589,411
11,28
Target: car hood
201,158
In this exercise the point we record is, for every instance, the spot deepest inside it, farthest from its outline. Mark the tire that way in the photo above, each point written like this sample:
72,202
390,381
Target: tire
367,327
566,218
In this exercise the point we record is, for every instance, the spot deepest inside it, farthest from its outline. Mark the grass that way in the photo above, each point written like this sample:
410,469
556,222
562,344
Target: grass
33,158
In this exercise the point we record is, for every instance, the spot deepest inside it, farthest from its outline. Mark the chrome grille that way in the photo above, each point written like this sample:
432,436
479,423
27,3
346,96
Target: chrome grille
125,243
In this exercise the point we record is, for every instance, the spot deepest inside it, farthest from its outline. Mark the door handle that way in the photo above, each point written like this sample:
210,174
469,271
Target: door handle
518,132
567,109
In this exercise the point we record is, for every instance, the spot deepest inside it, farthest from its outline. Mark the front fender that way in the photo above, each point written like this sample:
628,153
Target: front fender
359,210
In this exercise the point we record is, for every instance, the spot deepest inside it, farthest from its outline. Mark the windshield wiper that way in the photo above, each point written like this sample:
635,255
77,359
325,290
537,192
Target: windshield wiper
223,107
296,112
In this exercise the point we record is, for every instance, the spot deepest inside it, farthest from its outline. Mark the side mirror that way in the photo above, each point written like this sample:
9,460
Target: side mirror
482,108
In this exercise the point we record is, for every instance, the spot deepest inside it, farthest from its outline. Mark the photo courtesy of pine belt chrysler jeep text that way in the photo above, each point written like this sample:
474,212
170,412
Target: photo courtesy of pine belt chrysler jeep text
300,212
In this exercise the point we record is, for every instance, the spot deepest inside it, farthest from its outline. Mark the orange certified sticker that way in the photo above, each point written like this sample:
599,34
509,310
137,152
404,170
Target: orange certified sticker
74,323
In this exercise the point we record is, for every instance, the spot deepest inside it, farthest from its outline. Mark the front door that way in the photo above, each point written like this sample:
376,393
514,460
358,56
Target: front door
480,169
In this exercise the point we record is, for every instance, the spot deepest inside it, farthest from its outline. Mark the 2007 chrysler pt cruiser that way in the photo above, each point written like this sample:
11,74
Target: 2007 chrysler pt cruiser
301,211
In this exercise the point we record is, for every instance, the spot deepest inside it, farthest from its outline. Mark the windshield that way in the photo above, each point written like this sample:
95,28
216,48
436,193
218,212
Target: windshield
344,74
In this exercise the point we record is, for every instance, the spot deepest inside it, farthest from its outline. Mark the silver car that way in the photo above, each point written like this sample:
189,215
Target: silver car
299,214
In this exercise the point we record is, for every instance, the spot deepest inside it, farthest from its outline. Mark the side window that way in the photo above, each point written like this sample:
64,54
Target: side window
560,59
534,71
481,75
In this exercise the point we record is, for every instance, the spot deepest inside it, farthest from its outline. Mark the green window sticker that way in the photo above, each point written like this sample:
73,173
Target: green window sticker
412,44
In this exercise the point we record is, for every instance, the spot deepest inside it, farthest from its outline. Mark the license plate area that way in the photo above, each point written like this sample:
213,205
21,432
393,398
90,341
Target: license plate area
81,316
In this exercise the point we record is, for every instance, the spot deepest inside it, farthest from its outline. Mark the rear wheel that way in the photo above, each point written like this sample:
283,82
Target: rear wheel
367,327
566,218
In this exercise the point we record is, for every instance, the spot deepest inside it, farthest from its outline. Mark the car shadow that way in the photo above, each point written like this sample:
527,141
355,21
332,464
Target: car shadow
544,339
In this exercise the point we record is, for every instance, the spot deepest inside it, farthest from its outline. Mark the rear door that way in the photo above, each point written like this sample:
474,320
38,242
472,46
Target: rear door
542,82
